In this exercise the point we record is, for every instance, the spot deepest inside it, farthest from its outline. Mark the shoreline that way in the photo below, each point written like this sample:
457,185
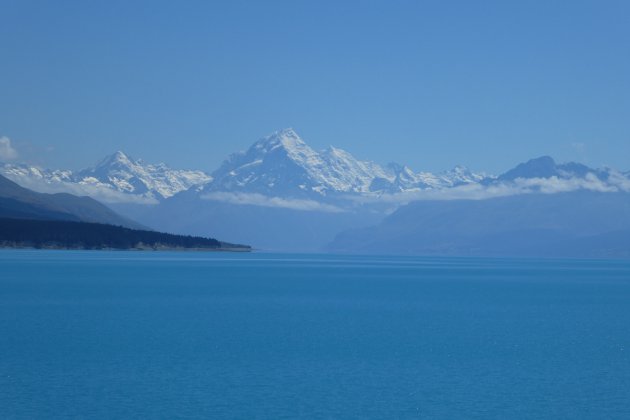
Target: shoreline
135,249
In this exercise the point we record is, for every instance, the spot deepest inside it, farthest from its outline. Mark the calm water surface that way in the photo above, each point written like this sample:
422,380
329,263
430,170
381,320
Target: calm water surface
204,335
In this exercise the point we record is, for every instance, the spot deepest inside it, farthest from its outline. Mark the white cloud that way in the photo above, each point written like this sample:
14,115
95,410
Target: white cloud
266,201
555,185
616,183
620,180
7,152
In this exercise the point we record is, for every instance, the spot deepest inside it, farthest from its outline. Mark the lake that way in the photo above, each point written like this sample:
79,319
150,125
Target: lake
215,335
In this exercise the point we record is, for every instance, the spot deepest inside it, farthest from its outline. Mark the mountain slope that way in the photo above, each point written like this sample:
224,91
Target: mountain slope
528,224
19,202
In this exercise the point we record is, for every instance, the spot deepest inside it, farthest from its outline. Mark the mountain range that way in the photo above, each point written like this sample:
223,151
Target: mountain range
280,165
116,178
280,194
283,166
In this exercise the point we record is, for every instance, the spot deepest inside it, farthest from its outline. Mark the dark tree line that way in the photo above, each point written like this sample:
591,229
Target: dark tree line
78,235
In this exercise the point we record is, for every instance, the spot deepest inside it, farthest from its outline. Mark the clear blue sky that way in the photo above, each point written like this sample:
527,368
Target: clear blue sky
427,83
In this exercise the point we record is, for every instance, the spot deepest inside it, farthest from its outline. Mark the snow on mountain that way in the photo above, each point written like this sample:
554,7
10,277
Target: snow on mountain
131,176
282,164
22,171
461,175
117,178
402,179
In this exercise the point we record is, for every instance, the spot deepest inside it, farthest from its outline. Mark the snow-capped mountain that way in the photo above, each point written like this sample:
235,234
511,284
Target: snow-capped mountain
24,172
117,178
282,164
282,167
400,179
127,175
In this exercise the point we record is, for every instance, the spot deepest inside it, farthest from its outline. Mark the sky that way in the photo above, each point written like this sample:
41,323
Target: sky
430,84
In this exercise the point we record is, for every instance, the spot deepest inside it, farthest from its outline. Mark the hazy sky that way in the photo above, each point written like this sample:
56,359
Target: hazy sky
427,83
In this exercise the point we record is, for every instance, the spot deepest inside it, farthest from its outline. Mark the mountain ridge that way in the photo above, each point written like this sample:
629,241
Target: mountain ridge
282,166
318,174
116,177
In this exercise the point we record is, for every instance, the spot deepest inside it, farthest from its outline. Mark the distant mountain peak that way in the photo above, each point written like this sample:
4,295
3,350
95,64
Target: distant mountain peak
547,167
286,138
118,158
283,164
125,174
460,169
541,167
542,160
285,132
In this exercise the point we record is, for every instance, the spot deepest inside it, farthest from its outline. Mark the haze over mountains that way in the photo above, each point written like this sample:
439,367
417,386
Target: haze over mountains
280,194
579,223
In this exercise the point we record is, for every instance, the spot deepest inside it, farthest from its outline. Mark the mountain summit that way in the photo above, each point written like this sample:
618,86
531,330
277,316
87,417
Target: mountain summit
282,164
546,167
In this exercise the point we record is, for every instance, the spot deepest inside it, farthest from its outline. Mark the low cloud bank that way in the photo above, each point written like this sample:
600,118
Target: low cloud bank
256,199
616,182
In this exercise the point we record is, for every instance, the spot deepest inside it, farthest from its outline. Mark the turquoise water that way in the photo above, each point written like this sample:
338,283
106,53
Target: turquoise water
203,335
